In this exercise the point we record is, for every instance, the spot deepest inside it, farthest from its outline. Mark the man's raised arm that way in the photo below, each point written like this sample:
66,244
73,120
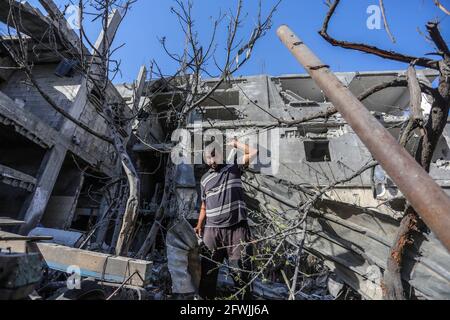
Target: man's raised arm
249,153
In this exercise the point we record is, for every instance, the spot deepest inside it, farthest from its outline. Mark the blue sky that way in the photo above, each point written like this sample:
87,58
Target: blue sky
150,19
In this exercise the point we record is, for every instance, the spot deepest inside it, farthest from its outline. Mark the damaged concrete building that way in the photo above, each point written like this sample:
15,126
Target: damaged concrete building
59,183
354,225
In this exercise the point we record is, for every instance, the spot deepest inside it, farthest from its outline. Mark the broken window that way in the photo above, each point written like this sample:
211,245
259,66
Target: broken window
317,151
222,98
221,113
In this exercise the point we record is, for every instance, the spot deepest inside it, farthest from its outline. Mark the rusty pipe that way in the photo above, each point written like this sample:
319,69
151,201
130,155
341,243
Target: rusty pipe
424,194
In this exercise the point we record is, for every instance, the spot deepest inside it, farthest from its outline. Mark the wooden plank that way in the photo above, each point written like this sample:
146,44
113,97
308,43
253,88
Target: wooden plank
6,236
99,266
8,222
16,246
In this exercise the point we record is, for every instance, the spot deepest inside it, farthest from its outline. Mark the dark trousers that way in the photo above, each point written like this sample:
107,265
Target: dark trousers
229,243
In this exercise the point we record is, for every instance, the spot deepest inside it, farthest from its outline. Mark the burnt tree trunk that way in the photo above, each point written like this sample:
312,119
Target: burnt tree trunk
131,210
393,286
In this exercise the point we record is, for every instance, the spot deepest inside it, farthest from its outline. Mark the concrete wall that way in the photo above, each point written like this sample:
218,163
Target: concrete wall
61,90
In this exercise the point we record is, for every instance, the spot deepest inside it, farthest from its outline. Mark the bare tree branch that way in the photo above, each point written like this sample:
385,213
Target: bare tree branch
440,6
386,24
385,54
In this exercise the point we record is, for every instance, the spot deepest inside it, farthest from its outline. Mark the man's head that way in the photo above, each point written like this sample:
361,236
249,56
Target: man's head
213,154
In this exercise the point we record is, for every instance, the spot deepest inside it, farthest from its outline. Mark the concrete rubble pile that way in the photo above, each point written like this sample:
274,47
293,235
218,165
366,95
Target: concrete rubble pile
60,185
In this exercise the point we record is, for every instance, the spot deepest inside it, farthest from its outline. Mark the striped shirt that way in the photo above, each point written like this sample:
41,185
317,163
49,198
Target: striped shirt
222,192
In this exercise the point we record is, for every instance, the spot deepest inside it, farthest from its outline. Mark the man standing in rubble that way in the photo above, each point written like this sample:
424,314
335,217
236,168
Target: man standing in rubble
223,220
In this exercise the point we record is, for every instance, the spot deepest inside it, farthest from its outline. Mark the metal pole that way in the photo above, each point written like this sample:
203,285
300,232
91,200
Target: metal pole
426,197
